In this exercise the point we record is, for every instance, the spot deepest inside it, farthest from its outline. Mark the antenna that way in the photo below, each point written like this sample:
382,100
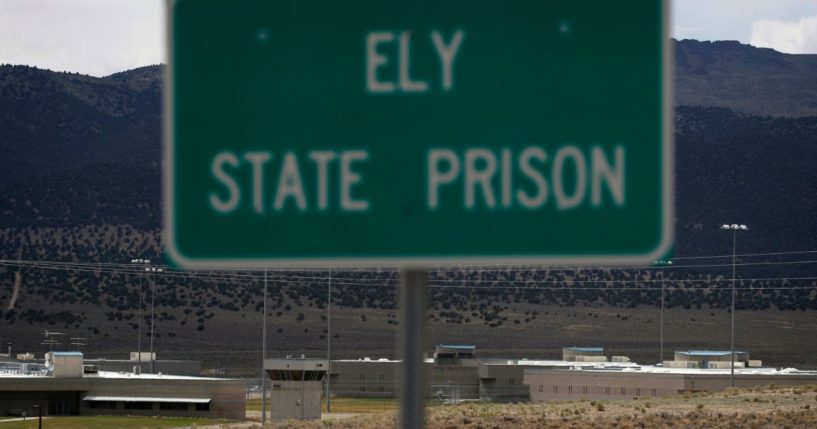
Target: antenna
50,340
77,341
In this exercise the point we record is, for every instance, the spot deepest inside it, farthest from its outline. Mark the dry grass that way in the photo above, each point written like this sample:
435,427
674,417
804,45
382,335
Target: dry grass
344,405
767,407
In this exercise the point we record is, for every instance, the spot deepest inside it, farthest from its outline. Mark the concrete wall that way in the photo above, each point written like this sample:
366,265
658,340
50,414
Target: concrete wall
545,385
380,379
366,378
548,385
572,355
503,383
300,400
702,358
66,365
145,356
718,382
52,403
455,382
228,396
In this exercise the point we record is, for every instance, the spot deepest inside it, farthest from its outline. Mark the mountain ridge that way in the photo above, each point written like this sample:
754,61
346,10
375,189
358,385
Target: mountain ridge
81,183
744,78
52,121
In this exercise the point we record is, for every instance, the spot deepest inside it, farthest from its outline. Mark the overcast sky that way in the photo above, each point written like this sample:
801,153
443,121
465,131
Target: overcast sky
100,37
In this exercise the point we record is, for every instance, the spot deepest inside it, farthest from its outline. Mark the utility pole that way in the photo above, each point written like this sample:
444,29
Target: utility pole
732,367
141,316
141,307
734,228
663,264
152,312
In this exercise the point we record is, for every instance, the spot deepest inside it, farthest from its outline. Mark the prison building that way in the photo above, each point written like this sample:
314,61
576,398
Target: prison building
648,381
451,374
366,377
296,387
449,354
66,386
583,354
502,380
165,366
454,373
710,359
379,378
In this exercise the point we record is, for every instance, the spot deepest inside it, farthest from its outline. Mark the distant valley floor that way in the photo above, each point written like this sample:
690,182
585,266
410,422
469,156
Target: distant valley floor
232,339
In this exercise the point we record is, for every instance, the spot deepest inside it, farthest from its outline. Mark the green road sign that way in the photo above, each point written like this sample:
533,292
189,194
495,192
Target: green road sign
308,133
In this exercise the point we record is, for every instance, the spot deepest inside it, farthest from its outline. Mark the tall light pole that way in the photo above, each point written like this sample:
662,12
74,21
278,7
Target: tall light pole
152,311
663,264
329,343
264,356
734,228
141,305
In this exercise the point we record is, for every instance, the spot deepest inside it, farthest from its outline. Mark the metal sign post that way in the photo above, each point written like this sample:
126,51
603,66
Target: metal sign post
413,383
264,356
329,344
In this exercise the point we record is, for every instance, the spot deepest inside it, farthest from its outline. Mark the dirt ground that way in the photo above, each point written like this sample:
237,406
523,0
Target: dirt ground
767,407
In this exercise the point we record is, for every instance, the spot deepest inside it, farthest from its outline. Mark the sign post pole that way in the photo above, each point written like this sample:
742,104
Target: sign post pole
264,356
329,344
413,299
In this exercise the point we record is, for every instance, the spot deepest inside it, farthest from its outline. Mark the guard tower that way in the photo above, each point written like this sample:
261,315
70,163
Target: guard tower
453,354
296,387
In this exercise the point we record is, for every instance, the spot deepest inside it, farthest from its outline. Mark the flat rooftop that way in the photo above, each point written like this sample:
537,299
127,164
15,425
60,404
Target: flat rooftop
113,375
379,360
560,363
651,369
585,349
707,352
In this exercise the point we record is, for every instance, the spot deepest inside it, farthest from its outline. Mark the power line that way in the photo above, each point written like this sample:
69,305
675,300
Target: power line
459,267
232,275
495,283
390,282
440,283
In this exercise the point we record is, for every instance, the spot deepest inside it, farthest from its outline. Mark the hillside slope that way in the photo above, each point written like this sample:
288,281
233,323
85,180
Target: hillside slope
743,78
81,182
